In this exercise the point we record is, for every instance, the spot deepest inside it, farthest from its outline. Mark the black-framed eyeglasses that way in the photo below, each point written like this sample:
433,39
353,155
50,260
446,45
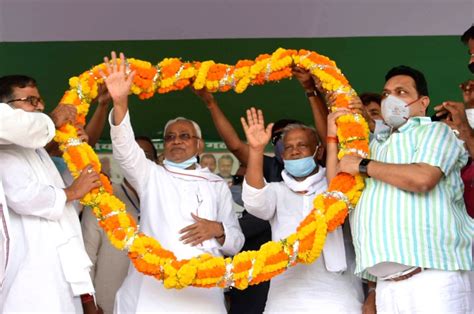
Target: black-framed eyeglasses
182,137
33,100
276,138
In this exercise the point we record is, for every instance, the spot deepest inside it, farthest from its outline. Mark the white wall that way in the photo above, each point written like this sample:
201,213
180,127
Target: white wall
59,20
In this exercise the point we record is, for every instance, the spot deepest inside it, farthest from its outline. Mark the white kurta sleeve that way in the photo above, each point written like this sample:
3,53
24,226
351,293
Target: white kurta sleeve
25,195
27,129
259,202
131,158
234,238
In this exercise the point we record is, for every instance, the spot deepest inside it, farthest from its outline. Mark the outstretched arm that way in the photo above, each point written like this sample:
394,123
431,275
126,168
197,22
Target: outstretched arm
332,145
318,108
118,84
131,158
259,199
225,129
97,123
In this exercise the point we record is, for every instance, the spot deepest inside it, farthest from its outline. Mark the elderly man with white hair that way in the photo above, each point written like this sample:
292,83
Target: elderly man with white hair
185,207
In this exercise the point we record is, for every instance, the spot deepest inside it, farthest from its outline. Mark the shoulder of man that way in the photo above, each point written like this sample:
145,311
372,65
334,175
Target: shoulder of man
437,128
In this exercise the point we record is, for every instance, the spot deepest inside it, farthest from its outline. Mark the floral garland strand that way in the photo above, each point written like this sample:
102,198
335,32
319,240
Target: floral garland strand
245,268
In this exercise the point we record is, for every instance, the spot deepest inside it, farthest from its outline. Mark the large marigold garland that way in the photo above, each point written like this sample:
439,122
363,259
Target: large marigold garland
245,268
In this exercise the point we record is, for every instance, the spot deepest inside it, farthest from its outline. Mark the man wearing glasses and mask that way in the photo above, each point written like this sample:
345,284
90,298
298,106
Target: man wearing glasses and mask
185,207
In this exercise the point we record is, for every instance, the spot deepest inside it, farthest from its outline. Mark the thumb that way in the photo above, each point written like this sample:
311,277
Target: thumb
197,218
269,128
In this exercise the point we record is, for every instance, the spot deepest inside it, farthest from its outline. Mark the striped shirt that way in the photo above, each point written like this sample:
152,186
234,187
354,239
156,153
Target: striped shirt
431,229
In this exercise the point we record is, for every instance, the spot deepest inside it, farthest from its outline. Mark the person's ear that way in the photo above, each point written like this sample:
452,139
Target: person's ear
319,153
200,146
425,102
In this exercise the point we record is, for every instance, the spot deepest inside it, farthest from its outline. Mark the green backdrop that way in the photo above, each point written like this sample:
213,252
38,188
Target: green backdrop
364,60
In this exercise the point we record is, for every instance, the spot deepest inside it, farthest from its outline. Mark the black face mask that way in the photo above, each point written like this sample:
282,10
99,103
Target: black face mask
471,67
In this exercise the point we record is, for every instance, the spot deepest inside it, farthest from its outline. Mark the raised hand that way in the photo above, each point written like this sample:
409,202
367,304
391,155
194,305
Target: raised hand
304,77
103,97
204,94
254,127
117,80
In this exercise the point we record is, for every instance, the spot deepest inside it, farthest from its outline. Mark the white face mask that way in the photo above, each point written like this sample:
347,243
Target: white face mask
470,117
395,111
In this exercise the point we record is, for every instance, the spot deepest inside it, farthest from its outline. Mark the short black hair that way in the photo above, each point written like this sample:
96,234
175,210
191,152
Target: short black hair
147,139
367,98
420,82
9,82
469,34
281,124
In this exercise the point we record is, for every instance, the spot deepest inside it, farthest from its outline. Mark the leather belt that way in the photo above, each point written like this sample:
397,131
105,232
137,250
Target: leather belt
406,276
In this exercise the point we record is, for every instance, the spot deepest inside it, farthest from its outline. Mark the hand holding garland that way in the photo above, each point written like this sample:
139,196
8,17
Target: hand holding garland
332,143
87,180
318,107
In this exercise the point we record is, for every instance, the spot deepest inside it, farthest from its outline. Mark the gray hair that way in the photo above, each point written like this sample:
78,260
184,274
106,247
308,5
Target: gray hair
300,126
196,126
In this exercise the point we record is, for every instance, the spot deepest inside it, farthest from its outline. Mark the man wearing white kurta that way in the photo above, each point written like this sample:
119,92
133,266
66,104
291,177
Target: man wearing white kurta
327,285
48,266
185,207
33,130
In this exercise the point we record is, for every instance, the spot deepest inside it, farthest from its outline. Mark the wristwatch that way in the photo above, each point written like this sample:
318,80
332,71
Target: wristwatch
312,93
363,166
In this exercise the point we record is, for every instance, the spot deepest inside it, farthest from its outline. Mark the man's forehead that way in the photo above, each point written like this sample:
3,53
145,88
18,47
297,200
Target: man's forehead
25,91
399,81
181,125
297,134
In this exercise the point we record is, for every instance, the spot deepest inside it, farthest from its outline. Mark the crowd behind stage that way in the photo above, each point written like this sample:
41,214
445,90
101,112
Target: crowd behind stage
407,247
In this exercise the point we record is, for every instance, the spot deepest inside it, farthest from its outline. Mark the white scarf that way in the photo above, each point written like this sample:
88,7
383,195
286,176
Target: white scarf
201,201
310,185
198,174
334,252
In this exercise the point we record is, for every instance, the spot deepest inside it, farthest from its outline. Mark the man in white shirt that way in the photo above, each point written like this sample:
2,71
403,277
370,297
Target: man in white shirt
327,285
26,129
48,267
185,207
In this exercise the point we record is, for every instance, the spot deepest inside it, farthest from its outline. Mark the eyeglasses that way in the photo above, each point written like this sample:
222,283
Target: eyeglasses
276,138
182,137
33,100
